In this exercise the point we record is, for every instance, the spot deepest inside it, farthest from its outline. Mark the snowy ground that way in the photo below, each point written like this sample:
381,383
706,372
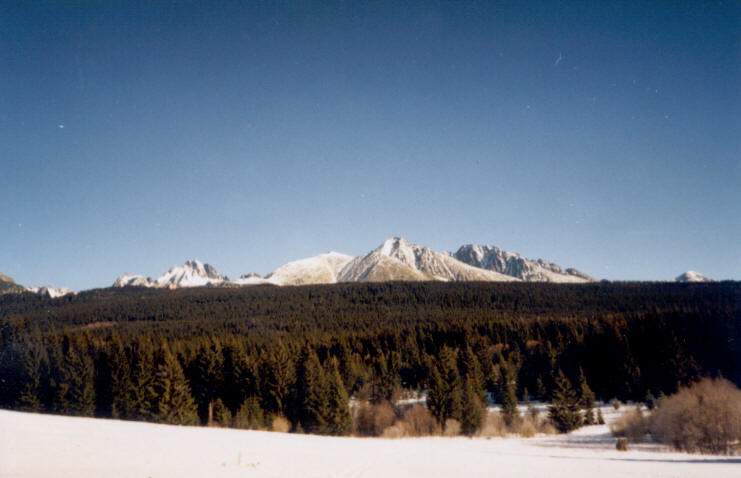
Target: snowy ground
41,445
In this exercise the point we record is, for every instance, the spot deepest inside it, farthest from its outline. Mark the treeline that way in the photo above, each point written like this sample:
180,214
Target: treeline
242,357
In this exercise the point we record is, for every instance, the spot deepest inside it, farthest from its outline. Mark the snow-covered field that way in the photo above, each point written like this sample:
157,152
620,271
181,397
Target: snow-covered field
42,445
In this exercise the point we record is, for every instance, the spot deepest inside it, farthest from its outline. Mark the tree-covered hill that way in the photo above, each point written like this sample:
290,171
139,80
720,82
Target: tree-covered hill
118,352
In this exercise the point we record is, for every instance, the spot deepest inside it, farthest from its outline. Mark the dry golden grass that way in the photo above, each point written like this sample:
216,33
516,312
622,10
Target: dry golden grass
280,424
452,428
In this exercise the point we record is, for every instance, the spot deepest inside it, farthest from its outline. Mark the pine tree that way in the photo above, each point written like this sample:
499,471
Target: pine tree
174,402
587,399
142,396
508,394
31,368
436,394
445,391
471,369
206,378
312,394
74,380
564,409
222,417
279,374
122,404
473,408
250,415
339,420
385,378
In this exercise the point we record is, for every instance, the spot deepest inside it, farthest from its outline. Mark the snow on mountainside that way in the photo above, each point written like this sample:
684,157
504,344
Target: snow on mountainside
397,259
51,292
133,280
394,260
8,285
692,276
321,269
513,264
191,274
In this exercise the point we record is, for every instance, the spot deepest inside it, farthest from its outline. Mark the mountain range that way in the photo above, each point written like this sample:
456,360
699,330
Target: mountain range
395,259
9,286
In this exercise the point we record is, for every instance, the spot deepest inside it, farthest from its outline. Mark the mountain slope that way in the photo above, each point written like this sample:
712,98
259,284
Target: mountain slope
51,292
692,276
397,259
8,285
321,269
133,280
513,264
191,274
394,260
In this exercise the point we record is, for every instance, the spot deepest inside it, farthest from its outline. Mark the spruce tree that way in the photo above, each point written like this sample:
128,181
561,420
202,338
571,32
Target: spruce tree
436,394
339,421
564,409
174,402
74,377
31,389
250,415
278,371
473,408
587,399
222,417
471,369
312,394
508,394
142,396
206,378
121,406
445,390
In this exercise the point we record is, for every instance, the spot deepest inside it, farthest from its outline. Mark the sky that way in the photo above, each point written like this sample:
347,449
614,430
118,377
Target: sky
136,135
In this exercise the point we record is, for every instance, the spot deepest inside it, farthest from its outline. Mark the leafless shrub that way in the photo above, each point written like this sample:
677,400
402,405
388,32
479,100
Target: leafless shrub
632,425
372,420
416,421
705,417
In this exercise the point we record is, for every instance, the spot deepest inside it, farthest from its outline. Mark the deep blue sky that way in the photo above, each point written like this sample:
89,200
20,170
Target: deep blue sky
134,136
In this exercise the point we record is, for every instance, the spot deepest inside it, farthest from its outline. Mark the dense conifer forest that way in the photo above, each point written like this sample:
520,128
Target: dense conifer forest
238,356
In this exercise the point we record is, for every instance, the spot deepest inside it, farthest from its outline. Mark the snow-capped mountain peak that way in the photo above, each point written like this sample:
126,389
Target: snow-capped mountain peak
398,259
395,259
513,264
692,276
193,273
51,292
133,280
400,249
